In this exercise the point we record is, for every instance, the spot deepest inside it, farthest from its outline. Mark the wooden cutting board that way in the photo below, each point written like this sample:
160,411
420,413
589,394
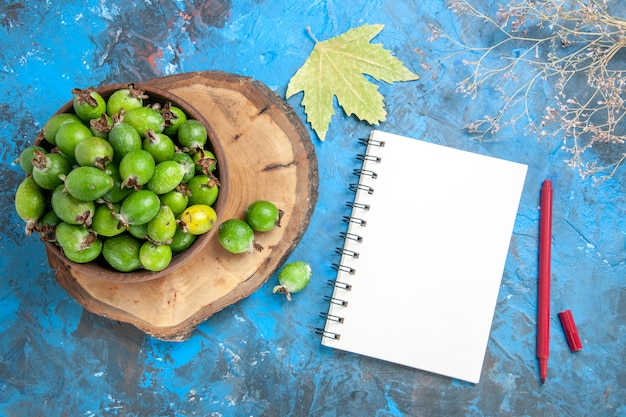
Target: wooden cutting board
269,155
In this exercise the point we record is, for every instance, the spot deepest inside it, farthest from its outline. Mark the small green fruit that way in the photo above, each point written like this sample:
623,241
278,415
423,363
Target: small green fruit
262,215
293,278
88,183
30,203
236,236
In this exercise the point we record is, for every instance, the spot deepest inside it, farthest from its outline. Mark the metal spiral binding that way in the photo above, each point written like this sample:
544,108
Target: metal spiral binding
361,206
351,236
355,187
337,301
347,252
331,317
360,172
355,220
367,172
338,284
344,268
370,141
365,157
327,334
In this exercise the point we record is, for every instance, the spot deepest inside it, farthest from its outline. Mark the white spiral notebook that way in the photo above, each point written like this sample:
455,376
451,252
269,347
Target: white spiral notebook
423,255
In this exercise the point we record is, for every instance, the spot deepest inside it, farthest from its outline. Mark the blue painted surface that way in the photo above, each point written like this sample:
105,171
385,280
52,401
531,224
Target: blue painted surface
260,356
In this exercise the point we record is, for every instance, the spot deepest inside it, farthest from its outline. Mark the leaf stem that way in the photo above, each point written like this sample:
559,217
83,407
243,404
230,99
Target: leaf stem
308,29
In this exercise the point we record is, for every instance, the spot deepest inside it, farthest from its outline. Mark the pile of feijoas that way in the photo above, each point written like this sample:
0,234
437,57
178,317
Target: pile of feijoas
119,181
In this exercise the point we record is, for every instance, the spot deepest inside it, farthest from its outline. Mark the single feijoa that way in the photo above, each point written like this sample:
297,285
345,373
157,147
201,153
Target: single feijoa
136,168
49,169
202,190
74,237
54,123
30,203
122,252
104,221
88,183
126,99
27,156
166,177
155,257
192,134
262,215
94,151
236,236
162,227
198,219
90,253
144,119
88,104
70,209
293,278
124,139
139,207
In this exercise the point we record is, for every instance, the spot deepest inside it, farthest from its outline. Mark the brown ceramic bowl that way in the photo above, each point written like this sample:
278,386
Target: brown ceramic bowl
99,268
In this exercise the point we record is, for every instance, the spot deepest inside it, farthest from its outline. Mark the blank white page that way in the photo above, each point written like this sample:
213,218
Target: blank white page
430,262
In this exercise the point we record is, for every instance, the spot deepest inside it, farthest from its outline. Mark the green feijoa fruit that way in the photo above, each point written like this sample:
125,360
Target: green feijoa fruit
88,104
27,156
49,169
201,190
70,209
105,222
90,253
46,226
117,193
49,219
74,237
167,176
69,135
162,227
205,162
122,252
30,203
88,183
176,199
160,146
124,139
140,231
144,119
125,98
139,207
101,127
155,257
235,236
189,167
262,215
94,152
136,168
293,278
181,240
173,117
192,134
54,123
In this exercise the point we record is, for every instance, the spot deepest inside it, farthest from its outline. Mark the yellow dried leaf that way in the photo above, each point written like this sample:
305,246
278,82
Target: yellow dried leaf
336,68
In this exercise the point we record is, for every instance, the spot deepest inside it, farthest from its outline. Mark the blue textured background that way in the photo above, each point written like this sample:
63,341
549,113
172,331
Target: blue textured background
260,356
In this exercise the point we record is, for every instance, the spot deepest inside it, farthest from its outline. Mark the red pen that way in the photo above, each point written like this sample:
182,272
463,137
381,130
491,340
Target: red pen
543,302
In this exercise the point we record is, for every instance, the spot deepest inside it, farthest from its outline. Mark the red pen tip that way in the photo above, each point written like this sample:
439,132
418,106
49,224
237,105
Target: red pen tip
543,381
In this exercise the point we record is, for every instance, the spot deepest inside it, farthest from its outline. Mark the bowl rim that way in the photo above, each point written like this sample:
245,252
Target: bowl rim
98,269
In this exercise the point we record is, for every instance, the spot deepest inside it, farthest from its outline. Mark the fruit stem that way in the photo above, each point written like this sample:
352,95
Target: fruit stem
281,289
84,96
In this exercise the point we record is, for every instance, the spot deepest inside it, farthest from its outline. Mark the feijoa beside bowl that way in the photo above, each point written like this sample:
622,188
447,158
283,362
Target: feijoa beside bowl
99,268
